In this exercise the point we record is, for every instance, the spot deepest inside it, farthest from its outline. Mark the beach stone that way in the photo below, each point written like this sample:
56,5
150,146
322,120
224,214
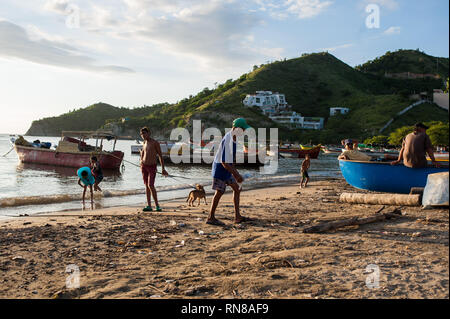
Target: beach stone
19,259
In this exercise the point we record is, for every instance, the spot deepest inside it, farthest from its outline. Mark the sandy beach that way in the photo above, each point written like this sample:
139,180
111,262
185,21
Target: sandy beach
124,253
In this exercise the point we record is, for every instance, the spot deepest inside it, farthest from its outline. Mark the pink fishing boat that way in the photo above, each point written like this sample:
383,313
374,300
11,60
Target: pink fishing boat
71,152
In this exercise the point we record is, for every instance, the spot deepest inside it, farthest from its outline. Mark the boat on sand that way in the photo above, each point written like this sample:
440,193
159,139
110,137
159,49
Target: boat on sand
384,177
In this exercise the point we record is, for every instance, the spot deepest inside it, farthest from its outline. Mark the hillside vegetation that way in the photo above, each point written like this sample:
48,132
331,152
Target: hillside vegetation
312,84
413,61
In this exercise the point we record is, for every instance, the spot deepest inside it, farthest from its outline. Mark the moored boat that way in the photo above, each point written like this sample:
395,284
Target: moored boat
299,152
71,152
384,177
332,150
165,148
440,157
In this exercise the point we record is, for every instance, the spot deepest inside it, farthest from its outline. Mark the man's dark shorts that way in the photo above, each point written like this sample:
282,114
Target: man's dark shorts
220,185
305,174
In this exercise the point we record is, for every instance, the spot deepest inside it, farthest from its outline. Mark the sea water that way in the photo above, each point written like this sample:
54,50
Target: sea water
34,188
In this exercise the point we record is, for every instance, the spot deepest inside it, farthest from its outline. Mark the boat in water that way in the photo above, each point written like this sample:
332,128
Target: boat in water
70,151
165,148
439,156
384,177
332,150
299,152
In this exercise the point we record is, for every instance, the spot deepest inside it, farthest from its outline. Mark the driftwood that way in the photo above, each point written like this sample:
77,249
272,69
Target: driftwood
353,221
382,199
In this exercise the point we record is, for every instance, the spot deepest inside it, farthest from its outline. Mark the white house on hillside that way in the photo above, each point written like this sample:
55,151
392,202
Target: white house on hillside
338,110
295,120
267,101
313,123
289,119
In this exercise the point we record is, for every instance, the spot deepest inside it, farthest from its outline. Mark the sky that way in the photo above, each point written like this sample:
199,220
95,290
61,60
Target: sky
58,55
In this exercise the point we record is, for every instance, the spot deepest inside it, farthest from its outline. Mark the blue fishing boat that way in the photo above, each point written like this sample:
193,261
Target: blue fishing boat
384,177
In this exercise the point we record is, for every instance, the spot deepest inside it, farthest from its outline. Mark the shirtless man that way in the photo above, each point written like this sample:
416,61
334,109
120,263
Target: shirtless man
150,150
304,171
415,147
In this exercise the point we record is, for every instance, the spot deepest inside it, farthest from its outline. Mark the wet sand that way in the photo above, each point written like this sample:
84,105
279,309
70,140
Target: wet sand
125,253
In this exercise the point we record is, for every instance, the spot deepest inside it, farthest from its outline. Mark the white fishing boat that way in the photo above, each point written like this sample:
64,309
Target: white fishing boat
165,148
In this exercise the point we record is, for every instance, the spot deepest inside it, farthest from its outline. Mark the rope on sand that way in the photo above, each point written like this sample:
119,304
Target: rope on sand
8,152
170,175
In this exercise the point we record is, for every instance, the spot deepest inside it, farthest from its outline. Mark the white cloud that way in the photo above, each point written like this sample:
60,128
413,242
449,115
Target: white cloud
392,31
307,8
213,32
56,6
16,42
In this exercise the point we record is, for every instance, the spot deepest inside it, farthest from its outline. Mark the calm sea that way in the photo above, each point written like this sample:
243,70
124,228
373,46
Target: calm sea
25,186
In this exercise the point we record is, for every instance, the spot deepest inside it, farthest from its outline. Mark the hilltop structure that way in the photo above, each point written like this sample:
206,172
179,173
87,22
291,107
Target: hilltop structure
338,110
267,101
275,106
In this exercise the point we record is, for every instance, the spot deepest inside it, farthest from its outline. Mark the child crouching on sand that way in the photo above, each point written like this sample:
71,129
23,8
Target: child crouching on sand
87,179
304,171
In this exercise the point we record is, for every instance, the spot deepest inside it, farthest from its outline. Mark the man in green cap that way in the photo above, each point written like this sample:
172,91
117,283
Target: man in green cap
225,174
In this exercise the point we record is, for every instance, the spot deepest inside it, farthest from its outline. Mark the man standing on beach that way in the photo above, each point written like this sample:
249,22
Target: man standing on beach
150,150
304,171
415,146
225,174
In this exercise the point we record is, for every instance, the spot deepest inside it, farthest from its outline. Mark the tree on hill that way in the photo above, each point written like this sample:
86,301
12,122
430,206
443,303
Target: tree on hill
437,131
377,140
439,134
396,137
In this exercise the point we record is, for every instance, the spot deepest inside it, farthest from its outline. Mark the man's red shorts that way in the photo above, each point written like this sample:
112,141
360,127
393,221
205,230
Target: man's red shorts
149,174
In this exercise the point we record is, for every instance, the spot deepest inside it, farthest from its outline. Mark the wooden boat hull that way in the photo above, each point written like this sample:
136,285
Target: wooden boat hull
67,159
313,153
331,150
384,177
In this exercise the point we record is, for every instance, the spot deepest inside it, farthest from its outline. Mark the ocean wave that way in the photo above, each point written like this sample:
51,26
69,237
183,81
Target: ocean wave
63,198
250,181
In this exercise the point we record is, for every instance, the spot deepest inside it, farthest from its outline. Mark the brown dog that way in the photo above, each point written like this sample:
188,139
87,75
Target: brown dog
197,193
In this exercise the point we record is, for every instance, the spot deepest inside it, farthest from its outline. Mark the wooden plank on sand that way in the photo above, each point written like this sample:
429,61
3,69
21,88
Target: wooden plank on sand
323,227
381,199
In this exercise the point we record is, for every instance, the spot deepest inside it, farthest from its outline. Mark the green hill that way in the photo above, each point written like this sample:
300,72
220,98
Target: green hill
413,61
90,118
312,84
